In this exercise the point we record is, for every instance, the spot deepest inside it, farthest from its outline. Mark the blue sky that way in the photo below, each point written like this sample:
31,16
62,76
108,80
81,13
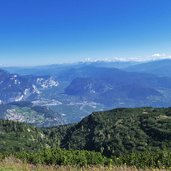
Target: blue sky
38,32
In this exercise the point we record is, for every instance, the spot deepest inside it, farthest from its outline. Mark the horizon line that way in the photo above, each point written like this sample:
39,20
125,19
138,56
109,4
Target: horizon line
90,60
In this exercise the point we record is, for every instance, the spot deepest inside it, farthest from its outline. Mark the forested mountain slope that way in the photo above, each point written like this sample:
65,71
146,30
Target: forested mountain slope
119,131
115,132
15,136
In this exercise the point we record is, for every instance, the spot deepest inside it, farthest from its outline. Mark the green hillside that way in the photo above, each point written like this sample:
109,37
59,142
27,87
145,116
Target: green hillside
115,132
138,137
15,136
118,131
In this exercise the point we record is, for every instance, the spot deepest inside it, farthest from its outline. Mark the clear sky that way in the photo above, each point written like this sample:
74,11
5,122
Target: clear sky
36,32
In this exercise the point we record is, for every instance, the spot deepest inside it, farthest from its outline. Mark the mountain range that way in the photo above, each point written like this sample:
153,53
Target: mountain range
112,86
14,87
75,90
160,68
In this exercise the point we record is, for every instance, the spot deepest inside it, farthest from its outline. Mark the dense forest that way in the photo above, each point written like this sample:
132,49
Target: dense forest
139,137
117,132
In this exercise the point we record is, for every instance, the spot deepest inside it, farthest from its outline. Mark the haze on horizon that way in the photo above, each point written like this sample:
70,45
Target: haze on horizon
48,32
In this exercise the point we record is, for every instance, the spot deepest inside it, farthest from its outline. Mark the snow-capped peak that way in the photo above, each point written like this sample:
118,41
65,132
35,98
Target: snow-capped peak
47,83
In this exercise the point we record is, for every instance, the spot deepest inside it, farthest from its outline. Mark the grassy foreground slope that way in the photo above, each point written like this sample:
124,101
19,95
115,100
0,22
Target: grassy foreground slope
13,164
25,167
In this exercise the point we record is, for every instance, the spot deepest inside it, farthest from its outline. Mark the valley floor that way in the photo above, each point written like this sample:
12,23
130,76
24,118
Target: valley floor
11,164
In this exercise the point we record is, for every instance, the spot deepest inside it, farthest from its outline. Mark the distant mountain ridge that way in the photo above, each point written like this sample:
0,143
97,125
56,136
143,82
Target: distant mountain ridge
58,69
160,68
